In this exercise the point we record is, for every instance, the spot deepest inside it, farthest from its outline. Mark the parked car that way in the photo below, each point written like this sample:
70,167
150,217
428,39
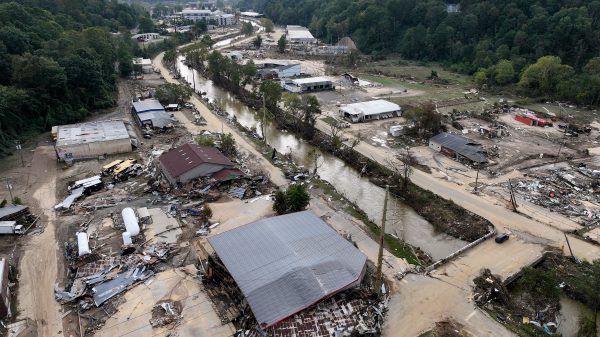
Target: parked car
500,238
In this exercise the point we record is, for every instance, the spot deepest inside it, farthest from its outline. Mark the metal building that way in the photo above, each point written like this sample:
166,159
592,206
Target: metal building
299,34
190,161
90,140
459,148
287,263
310,84
150,113
371,110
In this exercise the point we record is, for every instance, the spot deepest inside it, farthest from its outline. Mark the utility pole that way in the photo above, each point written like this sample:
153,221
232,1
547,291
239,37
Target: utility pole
569,245
194,79
264,127
379,276
9,189
477,178
561,144
513,200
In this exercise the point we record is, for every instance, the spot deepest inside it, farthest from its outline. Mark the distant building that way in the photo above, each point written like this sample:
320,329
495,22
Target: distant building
287,263
190,161
283,71
458,148
371,110
90,140
299,34
251,15
144,64
150,113
453,8
311,84
146,37
219,18
4,290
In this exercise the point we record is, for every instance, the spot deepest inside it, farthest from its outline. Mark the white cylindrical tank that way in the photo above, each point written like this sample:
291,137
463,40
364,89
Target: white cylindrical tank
83,243
127,239
130,221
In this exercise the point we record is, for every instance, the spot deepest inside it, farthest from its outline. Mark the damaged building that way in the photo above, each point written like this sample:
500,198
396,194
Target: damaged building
459,148
286,264
191,161
371,110
90,140
150,113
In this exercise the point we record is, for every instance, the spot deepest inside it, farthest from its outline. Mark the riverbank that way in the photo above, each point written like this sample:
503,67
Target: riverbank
443,214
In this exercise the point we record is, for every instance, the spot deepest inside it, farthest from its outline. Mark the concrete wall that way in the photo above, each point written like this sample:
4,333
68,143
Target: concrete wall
89,150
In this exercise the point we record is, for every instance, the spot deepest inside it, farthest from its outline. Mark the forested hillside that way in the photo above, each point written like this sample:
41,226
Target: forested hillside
496,39
57,61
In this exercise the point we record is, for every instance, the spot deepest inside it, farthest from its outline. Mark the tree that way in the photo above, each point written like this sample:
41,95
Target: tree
540,283
173,93
257,42
146,25
247,28
268,24
280,203
281,44
272,94
504,72
480,77
199,27
205,140
297,198
294,199
207,41
425,117
544,76
228,146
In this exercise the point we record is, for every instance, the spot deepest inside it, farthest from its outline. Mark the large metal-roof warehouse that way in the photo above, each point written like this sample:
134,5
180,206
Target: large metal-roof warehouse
89,140
287,263
371,110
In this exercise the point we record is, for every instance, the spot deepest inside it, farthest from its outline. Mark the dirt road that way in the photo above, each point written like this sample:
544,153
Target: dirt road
214,124
39,264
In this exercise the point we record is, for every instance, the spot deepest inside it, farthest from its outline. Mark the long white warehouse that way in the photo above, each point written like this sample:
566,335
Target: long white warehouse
371,110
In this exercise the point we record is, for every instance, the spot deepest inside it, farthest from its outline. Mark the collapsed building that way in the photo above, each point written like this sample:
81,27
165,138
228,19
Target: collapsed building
286,264
191,161
458,148
90,140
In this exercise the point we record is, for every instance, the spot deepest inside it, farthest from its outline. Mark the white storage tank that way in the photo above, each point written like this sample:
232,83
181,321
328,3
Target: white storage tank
83,243
127,239
130,221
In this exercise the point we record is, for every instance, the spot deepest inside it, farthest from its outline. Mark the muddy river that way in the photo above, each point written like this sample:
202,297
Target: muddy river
403,221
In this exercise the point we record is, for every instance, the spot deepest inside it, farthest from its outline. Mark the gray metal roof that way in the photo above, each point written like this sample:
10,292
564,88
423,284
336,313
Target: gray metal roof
84,133
159,119
370,108
147,105
9,211
287,263
461,145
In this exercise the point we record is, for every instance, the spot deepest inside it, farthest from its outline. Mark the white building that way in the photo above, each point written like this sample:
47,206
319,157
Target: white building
299,34
372,110
218,17
90,140
251,15
145,64
311,84
146,36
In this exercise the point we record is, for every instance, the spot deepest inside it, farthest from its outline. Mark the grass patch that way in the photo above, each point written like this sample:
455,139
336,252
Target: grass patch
393,244
330,120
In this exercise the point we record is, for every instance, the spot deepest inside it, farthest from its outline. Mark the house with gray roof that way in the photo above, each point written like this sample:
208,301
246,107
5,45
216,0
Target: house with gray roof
459,148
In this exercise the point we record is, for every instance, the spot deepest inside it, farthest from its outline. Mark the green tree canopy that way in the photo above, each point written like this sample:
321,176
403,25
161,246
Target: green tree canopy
171,93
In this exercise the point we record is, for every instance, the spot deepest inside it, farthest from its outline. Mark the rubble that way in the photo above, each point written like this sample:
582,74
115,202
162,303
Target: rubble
166,313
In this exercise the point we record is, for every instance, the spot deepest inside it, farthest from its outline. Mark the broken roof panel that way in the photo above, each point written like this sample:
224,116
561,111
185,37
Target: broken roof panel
461,145
188,156
287,263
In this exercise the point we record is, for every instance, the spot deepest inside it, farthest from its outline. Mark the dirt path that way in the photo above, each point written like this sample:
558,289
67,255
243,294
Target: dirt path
39,264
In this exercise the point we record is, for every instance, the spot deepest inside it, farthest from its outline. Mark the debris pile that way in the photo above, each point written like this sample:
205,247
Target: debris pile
488,288
166,314
571,191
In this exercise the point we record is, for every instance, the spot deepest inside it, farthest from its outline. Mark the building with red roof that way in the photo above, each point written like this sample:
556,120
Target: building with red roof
190,161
